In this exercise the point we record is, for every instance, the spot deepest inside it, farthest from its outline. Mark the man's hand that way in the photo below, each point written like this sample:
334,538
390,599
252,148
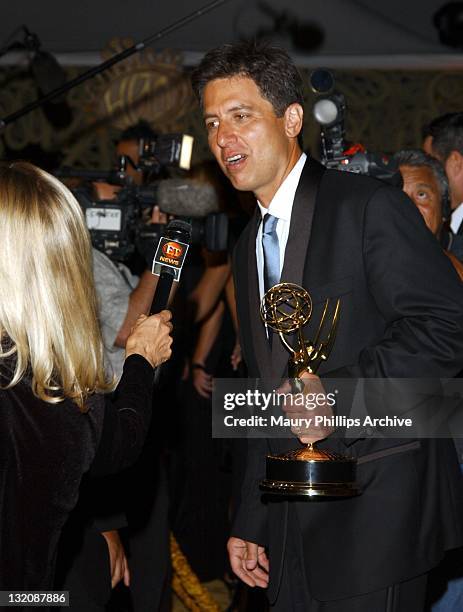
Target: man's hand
159,217
316,406
249,562
118,560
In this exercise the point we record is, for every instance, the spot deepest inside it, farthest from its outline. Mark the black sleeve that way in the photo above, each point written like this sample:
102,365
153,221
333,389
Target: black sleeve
110,522
126,419
250,520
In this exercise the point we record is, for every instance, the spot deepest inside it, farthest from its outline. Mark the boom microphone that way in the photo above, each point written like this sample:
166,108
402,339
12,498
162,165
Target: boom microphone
114,177
187,198
168,261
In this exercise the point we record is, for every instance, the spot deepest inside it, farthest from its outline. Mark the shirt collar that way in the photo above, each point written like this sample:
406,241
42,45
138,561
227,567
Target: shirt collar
281,205
457,218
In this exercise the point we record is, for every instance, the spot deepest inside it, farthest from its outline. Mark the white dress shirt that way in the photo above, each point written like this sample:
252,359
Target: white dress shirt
281,207
457,218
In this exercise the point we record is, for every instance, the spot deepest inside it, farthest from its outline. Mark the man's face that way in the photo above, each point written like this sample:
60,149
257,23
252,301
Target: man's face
255,149
422,187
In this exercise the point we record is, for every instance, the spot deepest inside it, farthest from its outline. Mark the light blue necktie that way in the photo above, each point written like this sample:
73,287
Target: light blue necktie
271,252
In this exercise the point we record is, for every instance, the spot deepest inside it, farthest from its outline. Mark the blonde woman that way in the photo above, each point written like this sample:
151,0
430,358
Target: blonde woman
55,421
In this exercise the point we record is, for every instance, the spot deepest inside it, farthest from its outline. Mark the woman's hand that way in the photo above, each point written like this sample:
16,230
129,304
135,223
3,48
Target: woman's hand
150,337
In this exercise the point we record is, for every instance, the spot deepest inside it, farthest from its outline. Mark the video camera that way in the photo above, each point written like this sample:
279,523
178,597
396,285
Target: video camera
119,226
329,111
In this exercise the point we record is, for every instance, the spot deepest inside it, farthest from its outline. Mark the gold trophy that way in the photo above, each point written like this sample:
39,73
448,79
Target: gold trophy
287,308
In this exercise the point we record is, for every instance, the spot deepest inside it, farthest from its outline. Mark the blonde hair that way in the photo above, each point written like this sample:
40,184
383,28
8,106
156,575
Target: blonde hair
48,305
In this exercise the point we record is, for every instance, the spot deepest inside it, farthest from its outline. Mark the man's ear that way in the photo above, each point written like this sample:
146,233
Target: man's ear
427,145
454,164
294,118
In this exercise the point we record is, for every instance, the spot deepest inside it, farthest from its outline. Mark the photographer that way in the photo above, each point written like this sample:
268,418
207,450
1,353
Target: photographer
56,424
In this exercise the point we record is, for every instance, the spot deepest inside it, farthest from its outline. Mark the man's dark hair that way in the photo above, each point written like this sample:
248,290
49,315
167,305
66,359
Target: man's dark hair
142,129
271,69
418,158
447,134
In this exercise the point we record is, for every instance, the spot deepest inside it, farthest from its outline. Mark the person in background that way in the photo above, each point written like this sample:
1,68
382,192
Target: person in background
443,139
425,183
123,296
201,511
56,422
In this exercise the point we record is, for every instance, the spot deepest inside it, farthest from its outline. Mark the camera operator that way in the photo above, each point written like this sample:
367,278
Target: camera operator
123,296
104,509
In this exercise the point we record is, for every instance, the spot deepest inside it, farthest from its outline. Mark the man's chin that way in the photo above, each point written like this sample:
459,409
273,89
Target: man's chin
239,183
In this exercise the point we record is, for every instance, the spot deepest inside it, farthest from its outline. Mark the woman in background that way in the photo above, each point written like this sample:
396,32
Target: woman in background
55,421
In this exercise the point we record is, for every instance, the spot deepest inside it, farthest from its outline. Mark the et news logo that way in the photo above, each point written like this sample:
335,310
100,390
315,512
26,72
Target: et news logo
172,249
169,253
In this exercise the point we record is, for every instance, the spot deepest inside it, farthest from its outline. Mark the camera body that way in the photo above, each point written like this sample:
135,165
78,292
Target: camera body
113,224
119,227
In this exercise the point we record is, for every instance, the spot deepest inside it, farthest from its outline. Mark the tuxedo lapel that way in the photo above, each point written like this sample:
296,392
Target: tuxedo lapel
298,243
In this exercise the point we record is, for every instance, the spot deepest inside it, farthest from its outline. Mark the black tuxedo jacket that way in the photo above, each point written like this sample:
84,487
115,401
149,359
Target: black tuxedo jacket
455,242
401,316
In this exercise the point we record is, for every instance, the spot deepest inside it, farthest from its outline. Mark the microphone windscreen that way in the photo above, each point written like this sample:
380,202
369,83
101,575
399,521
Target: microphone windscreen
187,198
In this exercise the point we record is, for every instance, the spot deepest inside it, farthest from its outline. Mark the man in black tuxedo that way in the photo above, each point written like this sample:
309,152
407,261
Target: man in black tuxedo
352,237
444,140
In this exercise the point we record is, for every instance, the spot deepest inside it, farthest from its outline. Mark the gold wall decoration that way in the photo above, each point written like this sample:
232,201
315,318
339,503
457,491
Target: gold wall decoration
146,86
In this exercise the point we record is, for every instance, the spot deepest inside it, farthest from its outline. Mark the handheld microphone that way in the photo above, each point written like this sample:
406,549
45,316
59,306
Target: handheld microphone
168,261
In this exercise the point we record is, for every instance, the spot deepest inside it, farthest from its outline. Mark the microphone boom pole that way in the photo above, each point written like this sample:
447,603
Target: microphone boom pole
108,63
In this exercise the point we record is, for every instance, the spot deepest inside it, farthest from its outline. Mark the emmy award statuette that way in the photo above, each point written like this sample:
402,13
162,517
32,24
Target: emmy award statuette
287,308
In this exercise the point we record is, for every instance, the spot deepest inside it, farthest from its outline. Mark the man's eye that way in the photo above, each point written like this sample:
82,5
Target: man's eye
241,116
422,194
210,125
